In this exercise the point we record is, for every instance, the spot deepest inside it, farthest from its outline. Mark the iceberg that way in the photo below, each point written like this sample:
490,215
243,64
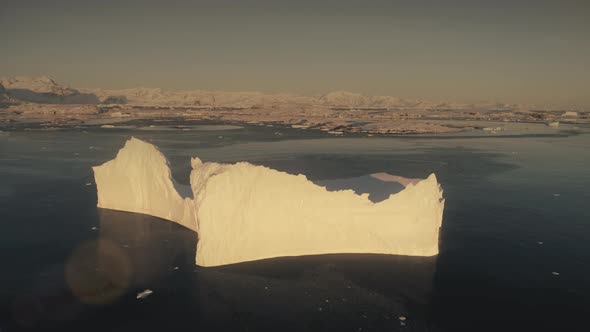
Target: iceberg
139,180
243,212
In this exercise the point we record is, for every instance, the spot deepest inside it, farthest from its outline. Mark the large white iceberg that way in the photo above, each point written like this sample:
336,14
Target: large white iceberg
244,212
139,180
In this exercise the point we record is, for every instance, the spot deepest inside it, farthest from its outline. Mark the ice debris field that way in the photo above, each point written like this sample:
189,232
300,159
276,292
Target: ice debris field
243,212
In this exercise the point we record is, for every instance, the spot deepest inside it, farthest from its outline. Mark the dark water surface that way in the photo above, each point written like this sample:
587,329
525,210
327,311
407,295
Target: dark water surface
516,211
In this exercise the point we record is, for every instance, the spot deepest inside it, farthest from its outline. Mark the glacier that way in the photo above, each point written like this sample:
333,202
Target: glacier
243,212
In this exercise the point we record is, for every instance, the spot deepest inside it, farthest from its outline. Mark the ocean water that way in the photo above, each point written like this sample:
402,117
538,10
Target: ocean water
515,240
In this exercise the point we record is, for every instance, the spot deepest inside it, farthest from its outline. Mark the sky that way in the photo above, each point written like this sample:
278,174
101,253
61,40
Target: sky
529,51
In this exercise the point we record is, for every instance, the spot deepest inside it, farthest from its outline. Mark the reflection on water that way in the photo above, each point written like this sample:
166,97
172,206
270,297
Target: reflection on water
304,292
98,272
131,251
153,246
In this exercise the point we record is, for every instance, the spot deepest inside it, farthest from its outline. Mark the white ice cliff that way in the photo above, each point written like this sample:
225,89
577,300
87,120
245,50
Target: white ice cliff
139,180
244,212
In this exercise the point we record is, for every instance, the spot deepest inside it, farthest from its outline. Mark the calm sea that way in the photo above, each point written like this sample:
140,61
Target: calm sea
515,242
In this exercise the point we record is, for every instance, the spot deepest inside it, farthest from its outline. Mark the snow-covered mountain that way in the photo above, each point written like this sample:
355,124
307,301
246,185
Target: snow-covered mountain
42,84
44,90
337,99
200,98
343,99
4,98
3,95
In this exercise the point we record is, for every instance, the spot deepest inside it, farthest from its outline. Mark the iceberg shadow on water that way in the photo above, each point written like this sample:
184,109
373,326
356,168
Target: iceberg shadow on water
304,291
379,186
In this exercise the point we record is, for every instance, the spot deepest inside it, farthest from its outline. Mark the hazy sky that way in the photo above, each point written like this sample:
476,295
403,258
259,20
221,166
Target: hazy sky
531,51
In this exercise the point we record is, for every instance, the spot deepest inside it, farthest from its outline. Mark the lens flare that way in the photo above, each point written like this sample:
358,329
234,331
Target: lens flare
98,272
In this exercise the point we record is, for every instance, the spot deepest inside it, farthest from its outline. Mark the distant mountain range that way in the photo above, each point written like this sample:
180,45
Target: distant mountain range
45,90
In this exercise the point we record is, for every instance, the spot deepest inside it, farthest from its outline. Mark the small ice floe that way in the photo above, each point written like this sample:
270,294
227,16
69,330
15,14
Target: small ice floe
88,183
556,195
175,268
265,287
327,301
144,294
402,320
220,137
125,246
570,114
555,273
539,242
94,228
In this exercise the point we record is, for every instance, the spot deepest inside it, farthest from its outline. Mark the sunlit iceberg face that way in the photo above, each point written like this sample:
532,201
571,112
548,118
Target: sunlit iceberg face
244,212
